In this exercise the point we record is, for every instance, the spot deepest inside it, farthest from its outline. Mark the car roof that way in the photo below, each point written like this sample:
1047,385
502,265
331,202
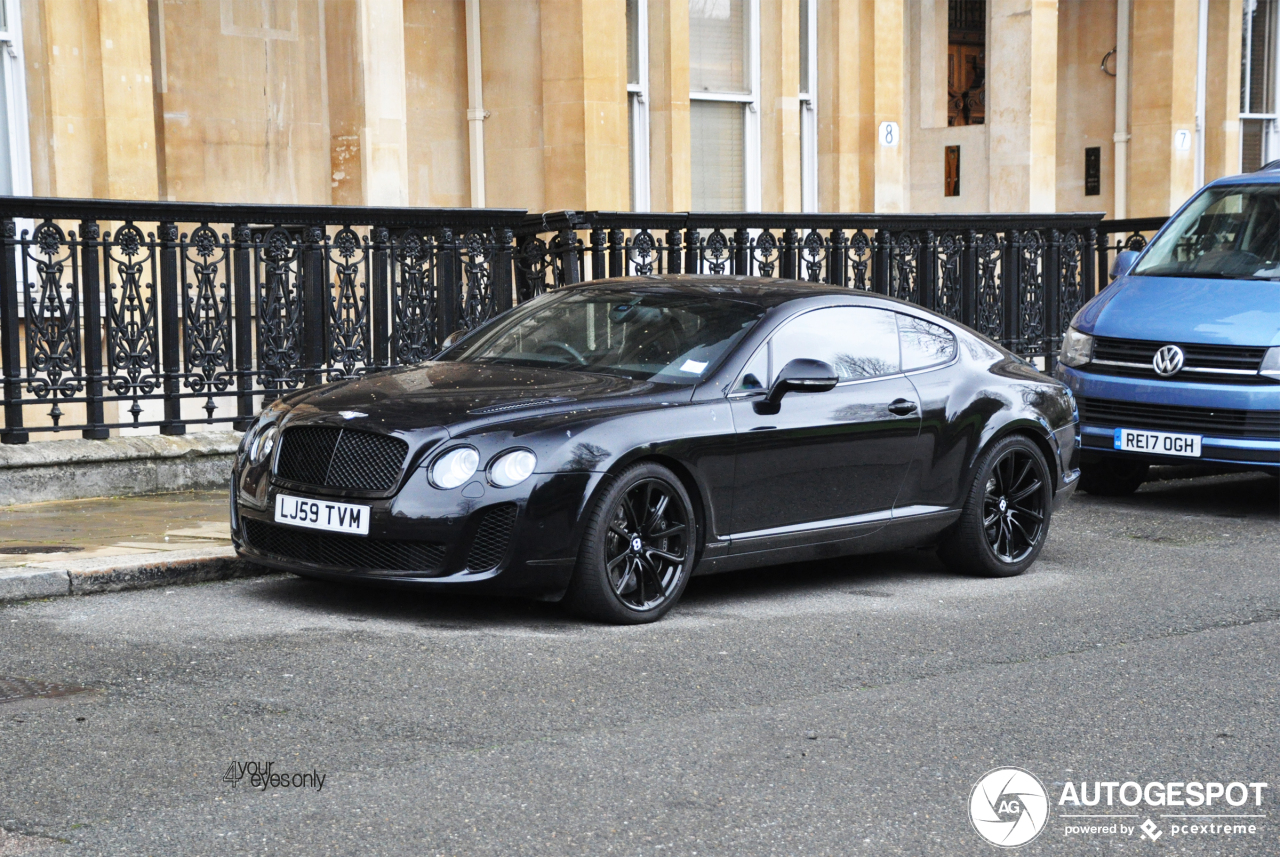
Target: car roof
761,291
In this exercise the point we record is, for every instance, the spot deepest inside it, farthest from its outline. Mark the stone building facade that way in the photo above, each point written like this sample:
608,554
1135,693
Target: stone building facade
663,105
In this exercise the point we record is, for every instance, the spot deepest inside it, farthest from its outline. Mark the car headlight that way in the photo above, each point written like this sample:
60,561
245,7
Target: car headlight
512,468
454,467
263,444
1077,348
1271,363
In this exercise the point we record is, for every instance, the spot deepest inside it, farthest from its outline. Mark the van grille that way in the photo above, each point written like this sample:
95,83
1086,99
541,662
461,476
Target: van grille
1217,422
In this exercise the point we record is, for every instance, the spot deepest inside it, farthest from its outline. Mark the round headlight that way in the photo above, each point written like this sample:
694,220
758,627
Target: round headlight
260,451
512,468
455,467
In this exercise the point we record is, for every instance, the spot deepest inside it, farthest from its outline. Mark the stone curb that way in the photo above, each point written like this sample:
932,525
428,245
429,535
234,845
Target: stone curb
117,573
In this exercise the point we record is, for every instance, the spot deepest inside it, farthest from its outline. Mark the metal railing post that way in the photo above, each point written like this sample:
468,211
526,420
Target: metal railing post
1052,297
880,262
969,279
171,316
787,262
503,261
673,251
927,270
448,286
315,306
598,254
10,338
242,291
616,247
692,260
1011,289
91,283
380,302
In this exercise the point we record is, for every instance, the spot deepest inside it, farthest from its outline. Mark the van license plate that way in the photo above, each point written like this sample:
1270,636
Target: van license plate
1157,442
322,515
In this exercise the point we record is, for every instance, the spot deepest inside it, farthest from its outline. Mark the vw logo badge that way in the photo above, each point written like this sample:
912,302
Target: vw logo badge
1168,361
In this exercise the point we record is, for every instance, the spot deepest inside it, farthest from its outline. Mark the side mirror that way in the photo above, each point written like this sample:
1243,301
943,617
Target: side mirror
1123,262
801,375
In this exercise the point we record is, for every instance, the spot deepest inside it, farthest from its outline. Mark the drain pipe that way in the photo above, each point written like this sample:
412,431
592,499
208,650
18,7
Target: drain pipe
1202,69
476,114
1121,136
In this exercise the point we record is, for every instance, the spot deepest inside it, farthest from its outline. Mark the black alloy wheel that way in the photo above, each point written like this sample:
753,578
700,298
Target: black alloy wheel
1013,506
1006,515
637,550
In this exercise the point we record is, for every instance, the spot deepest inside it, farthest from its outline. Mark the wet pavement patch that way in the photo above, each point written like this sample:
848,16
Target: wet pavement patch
18,689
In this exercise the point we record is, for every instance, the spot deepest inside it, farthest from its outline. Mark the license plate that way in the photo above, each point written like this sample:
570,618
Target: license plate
322,515
1158,442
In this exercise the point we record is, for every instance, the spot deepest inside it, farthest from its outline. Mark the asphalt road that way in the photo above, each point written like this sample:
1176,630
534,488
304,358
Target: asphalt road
845,707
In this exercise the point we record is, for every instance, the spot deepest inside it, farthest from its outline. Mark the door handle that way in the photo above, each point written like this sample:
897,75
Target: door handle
902,407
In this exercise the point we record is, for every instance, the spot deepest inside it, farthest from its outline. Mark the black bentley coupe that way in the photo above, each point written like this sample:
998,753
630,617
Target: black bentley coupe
602,443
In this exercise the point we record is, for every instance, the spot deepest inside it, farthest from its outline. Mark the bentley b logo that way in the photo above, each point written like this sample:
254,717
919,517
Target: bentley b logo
1168,361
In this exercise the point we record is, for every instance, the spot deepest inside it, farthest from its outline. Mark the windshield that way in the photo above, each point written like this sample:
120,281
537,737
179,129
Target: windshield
1226,233
660,335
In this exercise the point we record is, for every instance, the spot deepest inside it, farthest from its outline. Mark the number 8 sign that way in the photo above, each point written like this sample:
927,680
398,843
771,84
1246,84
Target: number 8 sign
888,133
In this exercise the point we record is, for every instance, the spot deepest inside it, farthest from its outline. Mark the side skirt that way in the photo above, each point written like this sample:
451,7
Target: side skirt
872,536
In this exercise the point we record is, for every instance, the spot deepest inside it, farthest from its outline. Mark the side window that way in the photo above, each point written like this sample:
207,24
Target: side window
924,343
859,342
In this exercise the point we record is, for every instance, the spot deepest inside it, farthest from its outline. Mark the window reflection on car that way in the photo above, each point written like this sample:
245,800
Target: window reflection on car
648,335
1230,232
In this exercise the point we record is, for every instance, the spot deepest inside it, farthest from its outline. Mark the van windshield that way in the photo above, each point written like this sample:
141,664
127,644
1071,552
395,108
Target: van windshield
1230,233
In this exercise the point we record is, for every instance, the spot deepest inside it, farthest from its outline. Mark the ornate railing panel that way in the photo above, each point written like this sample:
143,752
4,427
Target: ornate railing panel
164,315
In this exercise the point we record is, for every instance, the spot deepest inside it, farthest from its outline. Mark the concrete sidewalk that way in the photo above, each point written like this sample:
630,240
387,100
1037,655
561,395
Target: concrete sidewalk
79,546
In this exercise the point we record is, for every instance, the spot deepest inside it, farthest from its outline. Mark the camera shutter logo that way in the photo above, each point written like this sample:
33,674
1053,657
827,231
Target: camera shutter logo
1008,807
1168,361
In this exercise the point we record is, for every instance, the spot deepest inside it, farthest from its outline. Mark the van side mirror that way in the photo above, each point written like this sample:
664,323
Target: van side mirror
801,375
1123,262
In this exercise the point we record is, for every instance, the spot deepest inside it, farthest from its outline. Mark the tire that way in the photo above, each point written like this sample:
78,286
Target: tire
998,534
637,549
1112,478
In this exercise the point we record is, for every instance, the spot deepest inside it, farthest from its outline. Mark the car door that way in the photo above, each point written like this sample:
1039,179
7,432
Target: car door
824,456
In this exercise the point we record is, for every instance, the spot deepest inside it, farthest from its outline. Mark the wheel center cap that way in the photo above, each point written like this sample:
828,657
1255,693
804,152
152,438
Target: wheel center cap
636,544
1004,504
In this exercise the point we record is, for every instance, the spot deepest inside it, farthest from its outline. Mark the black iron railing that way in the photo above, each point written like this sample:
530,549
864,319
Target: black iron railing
163,315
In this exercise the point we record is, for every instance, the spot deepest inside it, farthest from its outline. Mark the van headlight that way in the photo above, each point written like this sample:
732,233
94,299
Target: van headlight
1271,363
1077,348
512,468
454,467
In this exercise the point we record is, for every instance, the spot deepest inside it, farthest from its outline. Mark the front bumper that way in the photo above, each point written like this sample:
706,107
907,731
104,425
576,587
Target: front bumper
1241,452
518,541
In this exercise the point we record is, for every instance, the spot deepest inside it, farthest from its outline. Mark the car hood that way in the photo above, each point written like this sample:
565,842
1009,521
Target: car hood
1184,309
451,395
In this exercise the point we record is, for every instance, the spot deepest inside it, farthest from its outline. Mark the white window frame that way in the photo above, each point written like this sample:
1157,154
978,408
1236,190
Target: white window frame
16,95
638,107
751,105
809,119
1271,132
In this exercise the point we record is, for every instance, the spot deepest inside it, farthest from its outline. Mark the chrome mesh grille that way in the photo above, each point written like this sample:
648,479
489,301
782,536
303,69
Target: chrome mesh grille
492,537
333,457
335,550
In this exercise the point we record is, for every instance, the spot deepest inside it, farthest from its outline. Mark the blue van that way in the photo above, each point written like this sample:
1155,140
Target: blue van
1178,359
